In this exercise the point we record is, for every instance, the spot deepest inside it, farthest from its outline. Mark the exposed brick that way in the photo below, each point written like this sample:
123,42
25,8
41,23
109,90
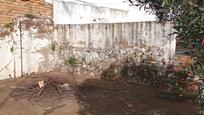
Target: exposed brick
10,9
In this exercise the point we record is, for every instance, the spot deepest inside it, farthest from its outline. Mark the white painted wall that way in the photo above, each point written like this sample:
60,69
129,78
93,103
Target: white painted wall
37,54
6,65
134,13
88,11
82,13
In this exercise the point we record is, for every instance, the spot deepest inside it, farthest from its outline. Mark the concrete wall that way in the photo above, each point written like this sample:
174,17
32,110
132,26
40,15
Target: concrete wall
94,46
92,38
37,36
81,13
97,46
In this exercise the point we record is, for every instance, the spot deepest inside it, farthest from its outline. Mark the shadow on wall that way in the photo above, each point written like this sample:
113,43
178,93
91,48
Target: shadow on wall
171,79
146,71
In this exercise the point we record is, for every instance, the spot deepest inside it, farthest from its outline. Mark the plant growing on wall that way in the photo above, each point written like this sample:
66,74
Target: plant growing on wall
12,49
72,61
9,26
53,47
30,16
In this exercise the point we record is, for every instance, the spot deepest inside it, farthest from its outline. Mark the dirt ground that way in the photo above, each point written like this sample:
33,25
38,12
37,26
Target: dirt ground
86,97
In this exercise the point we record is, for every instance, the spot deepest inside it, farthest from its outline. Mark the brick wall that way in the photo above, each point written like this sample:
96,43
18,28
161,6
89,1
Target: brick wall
10,9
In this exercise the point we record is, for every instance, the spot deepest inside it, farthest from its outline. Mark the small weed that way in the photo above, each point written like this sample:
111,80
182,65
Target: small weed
30,16
9,26
12,49
53,47
71,61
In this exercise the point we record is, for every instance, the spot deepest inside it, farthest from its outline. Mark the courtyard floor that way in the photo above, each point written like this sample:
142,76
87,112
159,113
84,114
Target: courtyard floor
86,97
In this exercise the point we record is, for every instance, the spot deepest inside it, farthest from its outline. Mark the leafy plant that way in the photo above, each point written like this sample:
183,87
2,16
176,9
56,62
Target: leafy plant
201,100
71,61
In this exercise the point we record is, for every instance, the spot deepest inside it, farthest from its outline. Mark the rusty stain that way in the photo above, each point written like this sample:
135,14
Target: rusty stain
40,35
42,30
143,45
4,33
125,44
28,24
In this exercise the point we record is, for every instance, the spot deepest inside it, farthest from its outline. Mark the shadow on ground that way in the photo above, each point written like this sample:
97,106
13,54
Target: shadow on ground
100,97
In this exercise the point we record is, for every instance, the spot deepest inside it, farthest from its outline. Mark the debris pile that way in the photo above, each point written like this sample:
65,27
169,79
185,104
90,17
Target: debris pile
43,87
